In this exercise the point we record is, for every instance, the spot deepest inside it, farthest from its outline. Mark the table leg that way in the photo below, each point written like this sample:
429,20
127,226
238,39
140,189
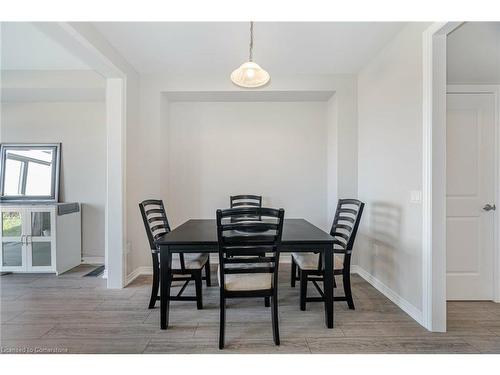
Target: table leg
328,285
165,281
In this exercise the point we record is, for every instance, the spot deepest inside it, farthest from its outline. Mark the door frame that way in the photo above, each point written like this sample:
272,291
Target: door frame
434,178
495,91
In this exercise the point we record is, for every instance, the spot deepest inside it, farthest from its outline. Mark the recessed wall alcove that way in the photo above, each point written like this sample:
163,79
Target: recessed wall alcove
278,144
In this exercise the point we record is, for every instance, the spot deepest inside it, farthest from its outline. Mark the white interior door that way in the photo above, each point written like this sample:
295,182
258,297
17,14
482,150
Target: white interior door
470,180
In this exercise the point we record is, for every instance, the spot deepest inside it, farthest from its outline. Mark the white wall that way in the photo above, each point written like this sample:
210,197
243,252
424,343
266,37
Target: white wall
389,250
347,141
218,149
332,136
473,54
81,128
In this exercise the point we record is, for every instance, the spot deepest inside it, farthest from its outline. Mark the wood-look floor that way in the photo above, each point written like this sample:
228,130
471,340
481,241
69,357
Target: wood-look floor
73,314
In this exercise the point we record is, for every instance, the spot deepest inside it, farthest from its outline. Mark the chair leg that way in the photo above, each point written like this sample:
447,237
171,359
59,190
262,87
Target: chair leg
207,272
294,273
198,285
275,321
303,289
266,302
346,279
222,322
156,282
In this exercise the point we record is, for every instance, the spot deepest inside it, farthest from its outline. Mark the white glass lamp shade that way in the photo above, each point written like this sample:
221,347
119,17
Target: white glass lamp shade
250,75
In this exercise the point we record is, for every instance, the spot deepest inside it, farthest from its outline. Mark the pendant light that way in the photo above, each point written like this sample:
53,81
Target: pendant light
250,74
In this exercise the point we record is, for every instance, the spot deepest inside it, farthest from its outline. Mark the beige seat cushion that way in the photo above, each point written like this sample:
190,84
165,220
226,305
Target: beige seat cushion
246,281
309,261
192,261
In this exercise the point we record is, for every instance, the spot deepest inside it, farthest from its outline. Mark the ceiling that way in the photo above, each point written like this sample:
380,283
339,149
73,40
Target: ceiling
219,47
24,47
210,47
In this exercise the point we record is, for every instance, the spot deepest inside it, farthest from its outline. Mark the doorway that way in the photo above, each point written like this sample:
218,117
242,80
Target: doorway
470,195
96,53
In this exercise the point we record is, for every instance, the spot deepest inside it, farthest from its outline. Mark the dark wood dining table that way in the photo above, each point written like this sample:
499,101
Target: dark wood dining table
200,235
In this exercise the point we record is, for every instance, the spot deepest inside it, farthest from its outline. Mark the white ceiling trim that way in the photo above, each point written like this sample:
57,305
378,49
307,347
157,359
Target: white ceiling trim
19,95
248,96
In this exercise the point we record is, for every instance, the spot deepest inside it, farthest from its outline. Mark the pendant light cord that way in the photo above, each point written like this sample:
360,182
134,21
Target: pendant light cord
250,58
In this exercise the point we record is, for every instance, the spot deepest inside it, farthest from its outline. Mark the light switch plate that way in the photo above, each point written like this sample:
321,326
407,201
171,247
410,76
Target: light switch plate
416,196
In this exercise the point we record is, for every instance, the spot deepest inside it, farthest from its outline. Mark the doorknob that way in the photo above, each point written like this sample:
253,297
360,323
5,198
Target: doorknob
489,207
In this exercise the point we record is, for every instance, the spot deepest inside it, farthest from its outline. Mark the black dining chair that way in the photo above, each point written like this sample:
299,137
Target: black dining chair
309,265
243,273
185,267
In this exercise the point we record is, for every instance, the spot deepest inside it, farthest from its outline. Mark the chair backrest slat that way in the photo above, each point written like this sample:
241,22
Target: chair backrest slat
153,210
346,218
241,244
245,204
159,227
258,226
348,210
341,235
343,245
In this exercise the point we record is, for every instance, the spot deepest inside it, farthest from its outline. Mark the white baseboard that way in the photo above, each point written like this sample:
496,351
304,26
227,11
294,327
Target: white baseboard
402,303
92,260
143,270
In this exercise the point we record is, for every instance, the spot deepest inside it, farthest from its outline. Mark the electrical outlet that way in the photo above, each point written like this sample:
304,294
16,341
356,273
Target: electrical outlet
416,196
